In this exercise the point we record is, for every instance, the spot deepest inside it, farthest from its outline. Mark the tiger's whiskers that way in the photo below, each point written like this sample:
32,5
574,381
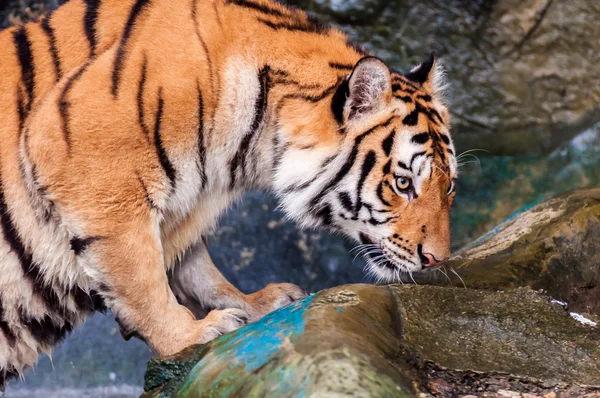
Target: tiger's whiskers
461,279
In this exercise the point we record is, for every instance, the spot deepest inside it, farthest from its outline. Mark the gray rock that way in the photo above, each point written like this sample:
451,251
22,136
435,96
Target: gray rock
524,72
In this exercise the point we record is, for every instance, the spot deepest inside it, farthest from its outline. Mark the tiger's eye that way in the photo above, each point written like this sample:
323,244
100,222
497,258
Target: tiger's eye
402,183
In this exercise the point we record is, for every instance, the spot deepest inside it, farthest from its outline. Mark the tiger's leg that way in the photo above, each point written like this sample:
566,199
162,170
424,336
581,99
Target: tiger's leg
135,284
200,286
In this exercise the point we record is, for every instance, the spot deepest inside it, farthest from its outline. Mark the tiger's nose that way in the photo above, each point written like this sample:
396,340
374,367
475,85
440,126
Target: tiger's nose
428,259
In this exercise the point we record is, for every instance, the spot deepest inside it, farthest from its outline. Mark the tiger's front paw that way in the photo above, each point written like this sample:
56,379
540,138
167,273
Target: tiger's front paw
219,322
272,297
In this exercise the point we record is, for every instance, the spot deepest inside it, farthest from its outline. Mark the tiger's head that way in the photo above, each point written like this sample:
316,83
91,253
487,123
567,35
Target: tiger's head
391,183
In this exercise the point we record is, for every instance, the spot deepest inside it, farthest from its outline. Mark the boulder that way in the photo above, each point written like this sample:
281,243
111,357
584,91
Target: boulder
523,72
383,341
554,246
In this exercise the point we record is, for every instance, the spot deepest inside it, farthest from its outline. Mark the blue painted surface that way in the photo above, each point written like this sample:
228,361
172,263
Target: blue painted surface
236,356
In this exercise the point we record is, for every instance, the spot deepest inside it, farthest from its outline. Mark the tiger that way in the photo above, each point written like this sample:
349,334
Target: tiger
128,126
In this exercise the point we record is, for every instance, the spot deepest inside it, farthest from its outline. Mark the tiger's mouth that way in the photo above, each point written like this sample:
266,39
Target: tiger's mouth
385,264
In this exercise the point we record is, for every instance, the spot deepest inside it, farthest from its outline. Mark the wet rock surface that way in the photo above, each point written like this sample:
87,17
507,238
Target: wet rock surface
380,341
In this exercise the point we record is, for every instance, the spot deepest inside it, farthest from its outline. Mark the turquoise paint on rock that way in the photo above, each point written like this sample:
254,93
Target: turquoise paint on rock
239,354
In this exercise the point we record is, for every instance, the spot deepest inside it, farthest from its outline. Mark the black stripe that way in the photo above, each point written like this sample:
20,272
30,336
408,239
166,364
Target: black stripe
140,99
87,302
160,149
310,27
49,31
400,85
137,8
64,106
420,138
366,168
338,102
5,328
29,267
337,65
21,111
315,98
201,145
26,62
387,167
258,7
396,87
387,144
98,301
325,215
147,197
412,118
426,97
49,208
278,151
414,156
309,97
45,331
404,98
79,245
397,77
380,194
364,239
279,77
445,138
347,166
346,201
260,108
203,43
89,23
432,114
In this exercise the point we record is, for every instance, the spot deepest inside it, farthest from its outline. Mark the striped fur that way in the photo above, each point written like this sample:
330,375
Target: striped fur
129,126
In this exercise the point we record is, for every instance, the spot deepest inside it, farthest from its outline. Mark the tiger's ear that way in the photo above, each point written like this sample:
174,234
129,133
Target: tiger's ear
368,88
428,74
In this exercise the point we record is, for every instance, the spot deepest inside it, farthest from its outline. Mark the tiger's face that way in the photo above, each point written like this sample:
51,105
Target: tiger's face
389,184
396,198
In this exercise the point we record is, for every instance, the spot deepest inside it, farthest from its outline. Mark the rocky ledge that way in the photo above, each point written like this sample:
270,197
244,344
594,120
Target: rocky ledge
494,336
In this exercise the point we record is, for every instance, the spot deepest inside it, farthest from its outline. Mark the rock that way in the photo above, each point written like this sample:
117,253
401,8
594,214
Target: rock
523,72
440,387
553,246
383,341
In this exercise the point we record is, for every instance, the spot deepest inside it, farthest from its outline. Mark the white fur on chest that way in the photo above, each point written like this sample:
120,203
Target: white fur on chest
193,211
